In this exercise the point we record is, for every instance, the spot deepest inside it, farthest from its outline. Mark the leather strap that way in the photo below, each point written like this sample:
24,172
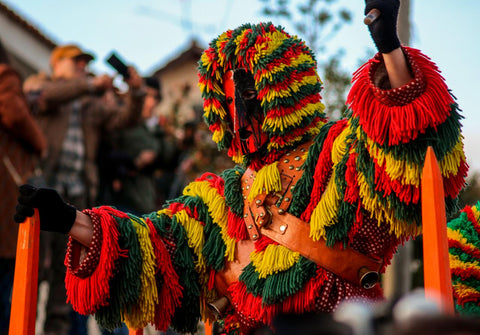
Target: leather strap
267,215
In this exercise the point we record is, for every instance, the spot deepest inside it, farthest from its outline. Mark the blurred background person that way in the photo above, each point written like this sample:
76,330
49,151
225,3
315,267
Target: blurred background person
134,155
21,143
73,115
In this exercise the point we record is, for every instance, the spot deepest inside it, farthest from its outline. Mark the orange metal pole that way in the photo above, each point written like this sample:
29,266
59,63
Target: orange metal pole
135,332
25,285
436,267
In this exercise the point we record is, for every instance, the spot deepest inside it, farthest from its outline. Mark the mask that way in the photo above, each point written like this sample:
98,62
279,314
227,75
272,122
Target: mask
245,111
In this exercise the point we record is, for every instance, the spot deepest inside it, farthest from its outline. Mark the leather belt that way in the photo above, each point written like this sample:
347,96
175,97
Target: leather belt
267,215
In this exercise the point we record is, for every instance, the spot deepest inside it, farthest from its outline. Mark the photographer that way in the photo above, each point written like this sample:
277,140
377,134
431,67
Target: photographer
73,114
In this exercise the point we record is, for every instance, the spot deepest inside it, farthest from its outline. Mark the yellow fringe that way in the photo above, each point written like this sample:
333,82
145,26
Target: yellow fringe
293,88
267,181
457,263
273,41
195,238
339,147
218,135
464,290
476,213
401,170
384,214
285,121
457,236
143,311
451,162
208,108
274,259
326,212
300,59
217,209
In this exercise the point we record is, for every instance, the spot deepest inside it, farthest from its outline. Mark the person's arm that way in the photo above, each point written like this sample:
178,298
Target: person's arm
397,68
15,114
82,229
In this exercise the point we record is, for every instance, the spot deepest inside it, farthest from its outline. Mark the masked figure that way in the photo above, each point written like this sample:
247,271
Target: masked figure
310,217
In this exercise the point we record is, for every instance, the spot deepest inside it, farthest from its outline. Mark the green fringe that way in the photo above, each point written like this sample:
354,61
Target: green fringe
303,188
186,316
463,225
125,286
442,138
277,287
233,189
469,309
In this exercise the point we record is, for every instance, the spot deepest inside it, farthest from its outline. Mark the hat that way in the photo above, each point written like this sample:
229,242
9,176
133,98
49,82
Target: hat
68,51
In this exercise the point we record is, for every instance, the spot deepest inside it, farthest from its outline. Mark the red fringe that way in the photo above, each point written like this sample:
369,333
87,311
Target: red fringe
462,300
405,192
471,217
236,227
352,191
169,289
466,273
301,302
323,169
400,124
88,294
263,242
455,183
465,248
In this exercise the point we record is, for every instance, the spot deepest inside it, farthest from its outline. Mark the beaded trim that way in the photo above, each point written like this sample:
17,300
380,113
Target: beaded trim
80,260
398,96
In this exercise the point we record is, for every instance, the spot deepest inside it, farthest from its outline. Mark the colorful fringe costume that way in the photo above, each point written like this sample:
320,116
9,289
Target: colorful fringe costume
359,185
464,243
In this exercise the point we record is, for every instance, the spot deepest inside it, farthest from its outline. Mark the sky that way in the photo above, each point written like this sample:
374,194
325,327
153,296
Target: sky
149,33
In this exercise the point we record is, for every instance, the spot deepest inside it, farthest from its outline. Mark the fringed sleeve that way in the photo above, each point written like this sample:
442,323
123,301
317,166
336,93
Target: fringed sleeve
393,128
152,269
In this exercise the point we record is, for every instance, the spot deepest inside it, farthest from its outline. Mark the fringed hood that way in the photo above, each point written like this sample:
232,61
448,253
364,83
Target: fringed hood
288,86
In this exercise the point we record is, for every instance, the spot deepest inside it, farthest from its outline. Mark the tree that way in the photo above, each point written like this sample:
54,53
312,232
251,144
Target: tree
318,21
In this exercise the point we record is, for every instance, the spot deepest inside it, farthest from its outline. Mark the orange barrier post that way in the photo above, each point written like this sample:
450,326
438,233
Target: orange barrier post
208,327
436,267
25,285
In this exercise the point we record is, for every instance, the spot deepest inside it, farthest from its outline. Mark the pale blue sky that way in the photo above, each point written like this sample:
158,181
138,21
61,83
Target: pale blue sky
148,33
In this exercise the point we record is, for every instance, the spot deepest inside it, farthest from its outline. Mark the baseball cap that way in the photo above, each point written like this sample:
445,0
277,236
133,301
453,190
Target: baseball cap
69,51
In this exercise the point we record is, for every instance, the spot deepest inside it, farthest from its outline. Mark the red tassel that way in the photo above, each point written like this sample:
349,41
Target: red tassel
169,289
88,294
252,307
323,169
385,117
236,227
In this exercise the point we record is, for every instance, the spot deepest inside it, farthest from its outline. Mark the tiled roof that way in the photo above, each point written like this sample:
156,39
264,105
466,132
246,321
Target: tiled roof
192,53
27,26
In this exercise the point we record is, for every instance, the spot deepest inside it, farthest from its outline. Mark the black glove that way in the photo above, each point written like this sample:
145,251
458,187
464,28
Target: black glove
384,28
55,214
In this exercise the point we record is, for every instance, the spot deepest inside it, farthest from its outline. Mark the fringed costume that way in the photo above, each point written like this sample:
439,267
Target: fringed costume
354,183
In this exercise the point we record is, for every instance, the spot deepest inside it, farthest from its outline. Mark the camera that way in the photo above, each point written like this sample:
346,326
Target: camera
118,64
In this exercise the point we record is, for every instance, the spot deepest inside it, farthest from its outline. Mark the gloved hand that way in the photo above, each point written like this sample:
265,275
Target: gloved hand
55,214
384,28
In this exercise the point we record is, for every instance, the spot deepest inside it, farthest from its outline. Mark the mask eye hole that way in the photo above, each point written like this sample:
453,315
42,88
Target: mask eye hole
229,100
249,95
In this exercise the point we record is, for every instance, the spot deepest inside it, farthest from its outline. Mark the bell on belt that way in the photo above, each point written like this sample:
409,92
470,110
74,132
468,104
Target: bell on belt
219,306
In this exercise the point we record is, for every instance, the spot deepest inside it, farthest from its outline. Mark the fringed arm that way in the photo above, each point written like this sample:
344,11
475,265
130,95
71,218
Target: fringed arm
393,128
155,269
464,249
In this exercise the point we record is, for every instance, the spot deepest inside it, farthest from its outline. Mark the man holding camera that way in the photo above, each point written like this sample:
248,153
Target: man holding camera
72,114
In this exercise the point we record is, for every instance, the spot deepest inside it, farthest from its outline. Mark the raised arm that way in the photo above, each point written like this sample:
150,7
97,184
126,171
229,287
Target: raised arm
385,37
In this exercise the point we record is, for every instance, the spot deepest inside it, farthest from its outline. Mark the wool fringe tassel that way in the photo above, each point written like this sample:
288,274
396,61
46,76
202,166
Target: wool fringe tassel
88,294
400,124
253,307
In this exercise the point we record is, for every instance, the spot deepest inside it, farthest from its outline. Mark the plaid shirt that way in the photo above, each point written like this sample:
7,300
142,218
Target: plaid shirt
69,179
